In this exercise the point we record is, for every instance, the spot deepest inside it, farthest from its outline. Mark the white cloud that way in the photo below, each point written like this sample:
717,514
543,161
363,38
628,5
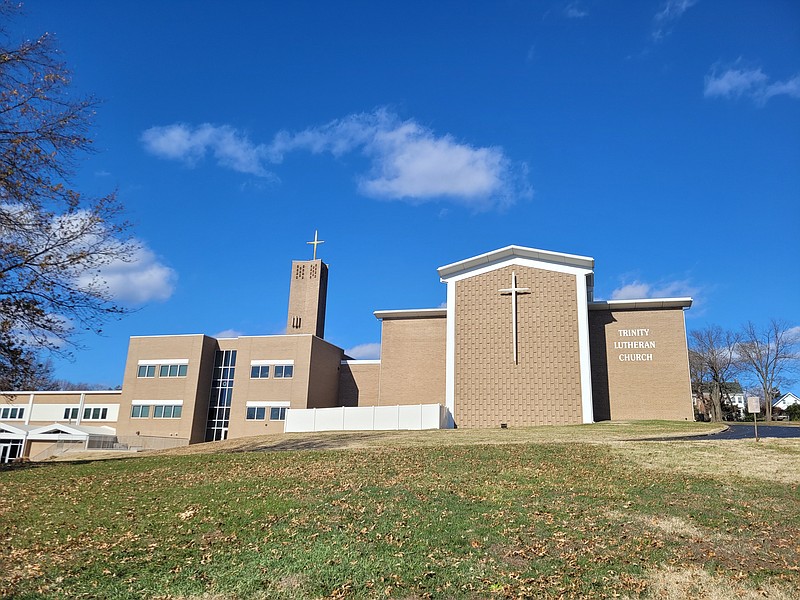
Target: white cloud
139,279
227,333
793,333
364,351
641,289
575,11
230,148
665,19
751,82
408,161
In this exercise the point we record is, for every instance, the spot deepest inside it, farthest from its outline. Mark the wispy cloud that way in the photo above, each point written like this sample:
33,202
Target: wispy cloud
188,144
574,10
666,18
750,82
408,161
227,333
364,351
138,279
643,289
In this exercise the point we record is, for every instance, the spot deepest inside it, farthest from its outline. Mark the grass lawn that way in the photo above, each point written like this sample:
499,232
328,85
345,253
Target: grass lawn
537,512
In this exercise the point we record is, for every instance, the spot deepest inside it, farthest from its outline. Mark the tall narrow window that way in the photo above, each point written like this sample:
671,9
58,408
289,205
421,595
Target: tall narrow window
219,404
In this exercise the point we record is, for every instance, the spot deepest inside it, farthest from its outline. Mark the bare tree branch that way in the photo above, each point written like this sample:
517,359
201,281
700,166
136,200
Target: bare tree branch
53,240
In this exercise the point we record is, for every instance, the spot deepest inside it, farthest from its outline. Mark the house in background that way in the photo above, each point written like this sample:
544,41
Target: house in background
785,401
521,342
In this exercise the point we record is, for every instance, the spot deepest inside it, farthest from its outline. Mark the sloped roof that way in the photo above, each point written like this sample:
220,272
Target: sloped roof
70,429
502,254
787,397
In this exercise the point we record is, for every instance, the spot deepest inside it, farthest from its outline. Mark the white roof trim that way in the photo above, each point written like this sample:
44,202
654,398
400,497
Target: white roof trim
161,335
267,404
572,260
362,361
157,403
272,361
411,313
13,429
78,430
59,392
164,361
641,303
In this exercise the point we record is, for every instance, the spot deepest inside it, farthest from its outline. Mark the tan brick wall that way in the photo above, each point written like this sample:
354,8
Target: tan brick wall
323,387
308,293
192,389
545,387
413,361
358,384
654,387
293,390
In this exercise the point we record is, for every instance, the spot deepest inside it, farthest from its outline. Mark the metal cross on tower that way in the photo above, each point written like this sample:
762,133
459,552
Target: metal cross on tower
514,290
316,243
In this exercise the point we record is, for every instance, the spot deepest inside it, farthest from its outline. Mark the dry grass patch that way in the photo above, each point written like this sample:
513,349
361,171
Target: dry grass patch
692,583
775,460
605,432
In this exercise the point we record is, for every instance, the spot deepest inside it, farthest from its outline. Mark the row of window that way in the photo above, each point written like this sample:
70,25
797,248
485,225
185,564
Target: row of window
254,413
278,372
170,411
149,371
259,413
256,372
89,414
11,412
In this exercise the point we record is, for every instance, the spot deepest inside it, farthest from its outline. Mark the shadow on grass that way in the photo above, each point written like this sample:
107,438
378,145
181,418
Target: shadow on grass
316,443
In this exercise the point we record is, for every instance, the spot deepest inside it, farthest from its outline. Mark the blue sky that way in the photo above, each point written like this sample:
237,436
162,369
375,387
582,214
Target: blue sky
659,137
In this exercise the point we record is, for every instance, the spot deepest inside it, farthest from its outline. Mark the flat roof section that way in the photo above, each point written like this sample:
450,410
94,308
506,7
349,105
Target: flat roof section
640,303
412,313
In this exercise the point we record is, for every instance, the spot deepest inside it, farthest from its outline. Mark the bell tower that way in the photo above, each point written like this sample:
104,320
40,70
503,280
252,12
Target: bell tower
308,293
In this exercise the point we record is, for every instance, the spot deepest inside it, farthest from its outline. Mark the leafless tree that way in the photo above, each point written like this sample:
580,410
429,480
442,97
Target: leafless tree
53,240
770,355
713,363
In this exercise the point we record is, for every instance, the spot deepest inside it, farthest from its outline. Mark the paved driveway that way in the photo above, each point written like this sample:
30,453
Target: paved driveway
740,431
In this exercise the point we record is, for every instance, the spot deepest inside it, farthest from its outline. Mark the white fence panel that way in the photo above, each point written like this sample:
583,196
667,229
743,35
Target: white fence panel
360,418
368,418
299,420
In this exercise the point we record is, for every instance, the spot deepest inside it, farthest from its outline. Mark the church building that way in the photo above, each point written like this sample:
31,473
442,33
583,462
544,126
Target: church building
521,342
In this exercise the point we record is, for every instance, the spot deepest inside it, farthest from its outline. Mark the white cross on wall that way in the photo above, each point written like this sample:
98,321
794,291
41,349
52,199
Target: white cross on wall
316,243
514,290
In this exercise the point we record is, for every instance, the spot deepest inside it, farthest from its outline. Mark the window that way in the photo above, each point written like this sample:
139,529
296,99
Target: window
140,412
8,412
284,371
170,411
146,371
256,413
221,394
277,413
71,414
94,413
261,372
172,371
